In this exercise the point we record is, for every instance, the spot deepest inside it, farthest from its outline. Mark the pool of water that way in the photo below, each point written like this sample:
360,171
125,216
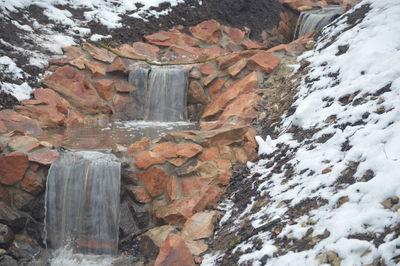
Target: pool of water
119,132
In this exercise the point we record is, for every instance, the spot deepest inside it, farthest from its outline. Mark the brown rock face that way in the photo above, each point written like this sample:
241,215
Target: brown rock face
194,184
155,179
105,88
32,183
98,70
52,98
208,31
173,188
187,51
178,211
228,60
122,86
5,195
43,157
249,44
174,252
73,84
22,143
137,146
122,103
178,154
242,108
118,65
47,115
12,168
234,34
207,68
237,67
160,39
140,194
146,158
196,93
264,61
12,121
246,84
200,225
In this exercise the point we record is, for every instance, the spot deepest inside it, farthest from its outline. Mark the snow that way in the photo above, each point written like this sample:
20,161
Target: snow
372,130
43,40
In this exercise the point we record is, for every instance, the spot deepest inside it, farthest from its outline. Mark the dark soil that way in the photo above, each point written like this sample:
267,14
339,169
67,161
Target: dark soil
7,101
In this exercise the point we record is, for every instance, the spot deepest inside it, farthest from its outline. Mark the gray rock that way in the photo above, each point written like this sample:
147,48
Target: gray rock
6,235
11,217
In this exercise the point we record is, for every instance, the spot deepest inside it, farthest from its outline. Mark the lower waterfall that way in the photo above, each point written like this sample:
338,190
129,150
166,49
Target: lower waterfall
316,19
82,202
163,90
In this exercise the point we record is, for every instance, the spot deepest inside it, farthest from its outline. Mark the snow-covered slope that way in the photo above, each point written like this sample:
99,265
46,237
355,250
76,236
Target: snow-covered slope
332,176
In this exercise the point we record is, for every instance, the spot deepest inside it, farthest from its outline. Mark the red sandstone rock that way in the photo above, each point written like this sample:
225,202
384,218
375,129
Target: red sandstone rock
209,154
140,194
169,150
240,155
122,103
12,168
155,179
235,69
99,53
196,93
200,225
128,51
47,115
298,5
32,183
22,143
146,158
196,247
225,177
222,136
210,78
207,68
174,252
249,44
145,49
215,89
187,51
234,34
122,86
195,74
266,62
137,146
160,39
97,69
194,184
213,51
74,86
242,107
179,210
105,88
210,198
52,98
208,31
246,84
173,188
43,157
118,65
79,62
12,121
223,164
227,60
226,153
75,119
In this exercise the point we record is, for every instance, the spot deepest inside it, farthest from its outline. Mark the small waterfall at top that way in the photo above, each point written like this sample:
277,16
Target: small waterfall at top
316,19
82,202
159,93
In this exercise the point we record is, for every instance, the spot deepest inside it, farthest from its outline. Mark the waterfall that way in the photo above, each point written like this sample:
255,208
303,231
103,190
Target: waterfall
316,19
82,202
159,94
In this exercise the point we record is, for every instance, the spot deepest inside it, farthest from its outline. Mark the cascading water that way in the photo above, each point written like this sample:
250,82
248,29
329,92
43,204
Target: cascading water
163,90
82,202
316,19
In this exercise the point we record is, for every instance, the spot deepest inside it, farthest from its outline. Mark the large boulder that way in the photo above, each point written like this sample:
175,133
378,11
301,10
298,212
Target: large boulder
12,121
11,217
47,115
51,97
75,87
43,157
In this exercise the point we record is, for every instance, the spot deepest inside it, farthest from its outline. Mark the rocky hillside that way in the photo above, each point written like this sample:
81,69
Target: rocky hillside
32,32
325,189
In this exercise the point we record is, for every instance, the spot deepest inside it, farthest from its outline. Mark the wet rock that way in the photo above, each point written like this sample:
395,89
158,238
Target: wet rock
7,261
196,93
155,179
11,217
264,61
174,251
105,88
123,104
5,195
118,65
151,241
6,235
246,84
76,119
75,87
99,53
24,248
138,146
195,74
47,115
127,223
122,86
52,98
12,121
32,183
178,211
43,157
146,159
12,168
97,69
140,194
208,31
199,226
22,143
21,199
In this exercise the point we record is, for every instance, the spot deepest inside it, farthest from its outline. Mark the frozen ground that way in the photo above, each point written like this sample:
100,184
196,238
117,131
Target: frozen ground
332,174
